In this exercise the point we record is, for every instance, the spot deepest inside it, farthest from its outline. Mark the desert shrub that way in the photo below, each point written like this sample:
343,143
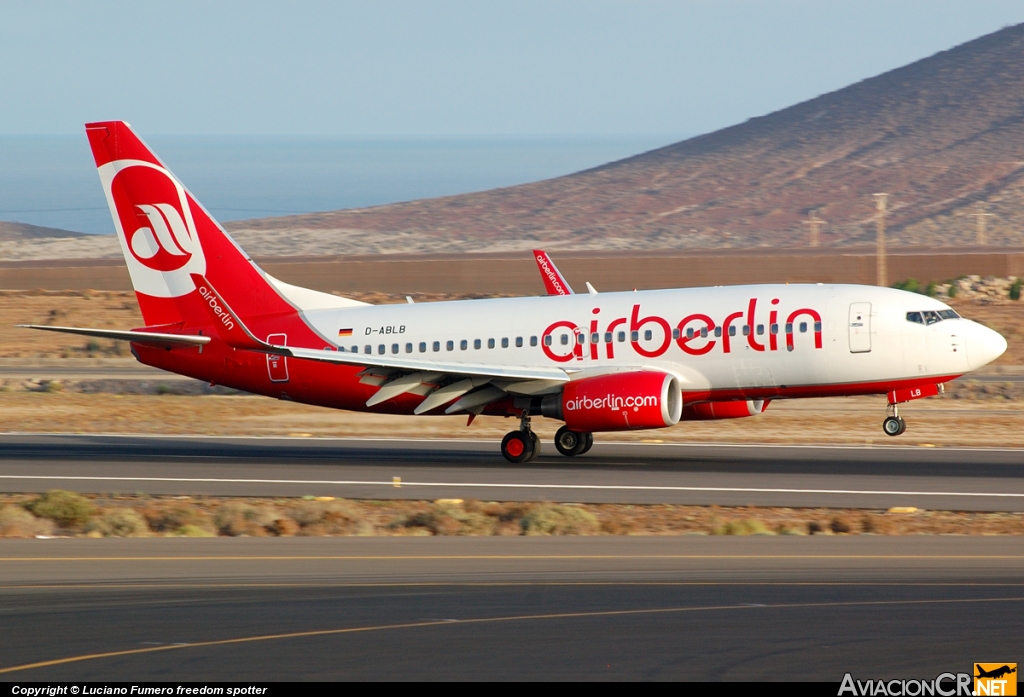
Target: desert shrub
1015,290
747,526
814,528
839,525
194,531
15,521
559,520
452,520
238,518
328,518
120,522
67,509
953,290
173,519
911,284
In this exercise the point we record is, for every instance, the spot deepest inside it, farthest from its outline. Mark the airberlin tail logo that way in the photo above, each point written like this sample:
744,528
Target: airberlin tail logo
154,216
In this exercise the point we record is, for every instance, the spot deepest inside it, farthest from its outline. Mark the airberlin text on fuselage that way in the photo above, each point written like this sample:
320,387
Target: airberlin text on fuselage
701,340
225,316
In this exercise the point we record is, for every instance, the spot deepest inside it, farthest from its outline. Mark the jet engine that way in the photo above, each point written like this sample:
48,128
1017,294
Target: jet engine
618,402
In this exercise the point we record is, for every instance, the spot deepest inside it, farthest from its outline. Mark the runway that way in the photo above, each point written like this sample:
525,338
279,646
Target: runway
507,608
794,476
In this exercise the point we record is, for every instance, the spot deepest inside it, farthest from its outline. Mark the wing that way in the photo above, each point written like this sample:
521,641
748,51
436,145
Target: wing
137,336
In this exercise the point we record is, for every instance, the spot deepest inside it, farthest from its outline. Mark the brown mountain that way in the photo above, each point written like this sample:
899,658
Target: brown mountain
942,136
24,231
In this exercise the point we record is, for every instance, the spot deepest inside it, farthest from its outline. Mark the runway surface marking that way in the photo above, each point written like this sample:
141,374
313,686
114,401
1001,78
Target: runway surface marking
516,557
486,620
480,485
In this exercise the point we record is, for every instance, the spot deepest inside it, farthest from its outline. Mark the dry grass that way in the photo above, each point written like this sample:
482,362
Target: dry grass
142,516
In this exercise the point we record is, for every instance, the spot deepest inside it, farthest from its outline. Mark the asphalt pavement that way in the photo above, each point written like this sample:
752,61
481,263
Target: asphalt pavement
796,476
605,608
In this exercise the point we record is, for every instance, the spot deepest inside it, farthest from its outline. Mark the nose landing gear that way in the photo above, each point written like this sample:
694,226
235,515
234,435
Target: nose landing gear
522,445
894,424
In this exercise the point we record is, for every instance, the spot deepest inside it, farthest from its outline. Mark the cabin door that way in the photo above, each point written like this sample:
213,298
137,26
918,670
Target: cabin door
860,327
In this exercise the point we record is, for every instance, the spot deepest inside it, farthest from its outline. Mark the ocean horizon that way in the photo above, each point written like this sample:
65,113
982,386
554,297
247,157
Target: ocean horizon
51,181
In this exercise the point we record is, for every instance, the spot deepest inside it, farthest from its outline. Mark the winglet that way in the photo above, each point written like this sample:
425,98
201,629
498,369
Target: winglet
554,281
227,323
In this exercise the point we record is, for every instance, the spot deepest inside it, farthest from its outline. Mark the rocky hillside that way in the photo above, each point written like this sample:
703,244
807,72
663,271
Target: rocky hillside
944,136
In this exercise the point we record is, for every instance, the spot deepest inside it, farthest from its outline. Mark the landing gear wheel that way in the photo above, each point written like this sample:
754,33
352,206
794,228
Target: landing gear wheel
570,443
589,438
894,425
518,446
536,445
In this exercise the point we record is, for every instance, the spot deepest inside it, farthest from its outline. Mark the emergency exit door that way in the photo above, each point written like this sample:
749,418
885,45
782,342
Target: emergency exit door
860,327
277,366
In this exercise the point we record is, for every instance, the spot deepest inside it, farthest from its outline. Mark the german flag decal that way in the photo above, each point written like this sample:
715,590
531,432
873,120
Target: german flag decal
345,332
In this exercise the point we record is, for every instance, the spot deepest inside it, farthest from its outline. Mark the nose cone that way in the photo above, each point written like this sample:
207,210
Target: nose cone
983,345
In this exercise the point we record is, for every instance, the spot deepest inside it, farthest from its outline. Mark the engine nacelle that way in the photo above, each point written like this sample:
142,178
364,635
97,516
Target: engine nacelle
708,411
618,402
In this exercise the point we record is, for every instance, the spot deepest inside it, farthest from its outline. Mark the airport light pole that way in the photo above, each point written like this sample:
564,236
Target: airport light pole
882,270
981,215
815,222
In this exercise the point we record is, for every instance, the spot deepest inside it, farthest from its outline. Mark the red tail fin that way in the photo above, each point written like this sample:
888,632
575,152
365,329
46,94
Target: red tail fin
166,236
554,282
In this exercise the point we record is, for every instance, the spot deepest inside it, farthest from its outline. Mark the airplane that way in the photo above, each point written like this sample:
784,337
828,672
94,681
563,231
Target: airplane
602,362
995,672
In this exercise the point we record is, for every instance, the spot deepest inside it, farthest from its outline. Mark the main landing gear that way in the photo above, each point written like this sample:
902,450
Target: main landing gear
572,443
894,425
522,445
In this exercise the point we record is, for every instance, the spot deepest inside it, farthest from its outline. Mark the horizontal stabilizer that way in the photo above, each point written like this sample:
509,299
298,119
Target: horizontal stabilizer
135,336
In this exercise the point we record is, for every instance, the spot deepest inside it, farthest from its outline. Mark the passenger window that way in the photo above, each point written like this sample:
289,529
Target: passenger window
367,349
564,339
622,337
476,343
451,346
519,342
675,333
634,336
607,337
490,343
648,335
423,347
775,328
690,333
746,330
463,345
931,317
732,331
915,317
504,342
760,329
408,348
817,326
789,327
394,348
703,332
437,346
381,349
547,340
718,331
355,349
803,327
581,338
595,338
533,341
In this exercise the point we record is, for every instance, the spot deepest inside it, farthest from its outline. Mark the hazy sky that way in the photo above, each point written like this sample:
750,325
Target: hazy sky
441,67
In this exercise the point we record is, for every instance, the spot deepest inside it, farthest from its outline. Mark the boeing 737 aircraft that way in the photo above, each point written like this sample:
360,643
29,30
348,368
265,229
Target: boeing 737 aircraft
597,361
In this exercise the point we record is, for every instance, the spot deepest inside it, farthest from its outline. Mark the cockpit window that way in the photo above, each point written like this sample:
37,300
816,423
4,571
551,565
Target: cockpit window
931,316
